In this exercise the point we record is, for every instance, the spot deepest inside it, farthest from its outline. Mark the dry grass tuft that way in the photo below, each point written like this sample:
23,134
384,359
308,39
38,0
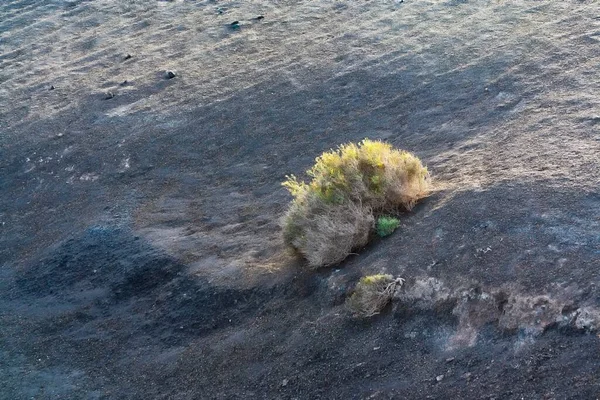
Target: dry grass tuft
334,213
372,294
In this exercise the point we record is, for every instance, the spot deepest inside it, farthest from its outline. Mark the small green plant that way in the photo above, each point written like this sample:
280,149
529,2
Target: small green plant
371,294
387,225
335,211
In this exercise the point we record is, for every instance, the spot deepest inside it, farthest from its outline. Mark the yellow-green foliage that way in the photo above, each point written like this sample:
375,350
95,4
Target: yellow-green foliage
333,213
371,280
372,172
372,293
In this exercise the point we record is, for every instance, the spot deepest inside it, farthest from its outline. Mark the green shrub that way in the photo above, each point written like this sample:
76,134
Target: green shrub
387,225
371,294
334,213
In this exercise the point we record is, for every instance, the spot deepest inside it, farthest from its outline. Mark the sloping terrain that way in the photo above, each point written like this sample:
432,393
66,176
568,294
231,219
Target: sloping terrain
139,217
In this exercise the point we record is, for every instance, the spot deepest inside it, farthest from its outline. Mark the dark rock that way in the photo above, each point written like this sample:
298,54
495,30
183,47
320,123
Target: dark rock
124,83
108,95
169,75
127,57
51,87
258,18
235,25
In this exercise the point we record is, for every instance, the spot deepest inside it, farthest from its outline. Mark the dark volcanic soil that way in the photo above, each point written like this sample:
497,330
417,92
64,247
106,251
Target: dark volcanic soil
140,249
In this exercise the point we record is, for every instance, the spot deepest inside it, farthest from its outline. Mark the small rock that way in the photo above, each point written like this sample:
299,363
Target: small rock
449,360
127,57
220,10
259,17
169,74
124,83
284,382
235,25
108,95
51,87
467,375
439,378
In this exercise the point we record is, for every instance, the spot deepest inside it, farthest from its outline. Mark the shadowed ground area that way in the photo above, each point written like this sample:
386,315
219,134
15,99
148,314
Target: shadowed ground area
140,244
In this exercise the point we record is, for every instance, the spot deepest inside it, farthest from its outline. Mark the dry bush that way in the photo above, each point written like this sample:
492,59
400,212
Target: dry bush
372,294
334,213
326,235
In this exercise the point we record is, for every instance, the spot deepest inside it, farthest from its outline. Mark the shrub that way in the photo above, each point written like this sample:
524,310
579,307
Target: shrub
387,225
334,213
372,294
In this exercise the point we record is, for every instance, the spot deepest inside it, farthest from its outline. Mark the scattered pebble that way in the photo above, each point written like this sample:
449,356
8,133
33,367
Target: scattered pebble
439,378
108,95
127,57
284,382
449,360
169,74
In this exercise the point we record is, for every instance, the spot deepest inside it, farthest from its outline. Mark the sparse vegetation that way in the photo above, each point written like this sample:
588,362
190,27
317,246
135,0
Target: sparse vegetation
372,294
387,225
335,212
